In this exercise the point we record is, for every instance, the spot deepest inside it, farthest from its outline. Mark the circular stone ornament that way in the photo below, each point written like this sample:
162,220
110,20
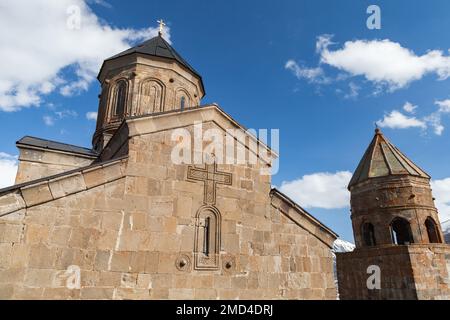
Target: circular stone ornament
229,263
183,263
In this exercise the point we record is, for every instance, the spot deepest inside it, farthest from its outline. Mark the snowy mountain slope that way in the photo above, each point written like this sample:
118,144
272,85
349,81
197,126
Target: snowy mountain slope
343,246
446,230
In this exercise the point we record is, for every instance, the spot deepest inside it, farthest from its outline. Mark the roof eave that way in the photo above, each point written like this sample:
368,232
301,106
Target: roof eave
195,73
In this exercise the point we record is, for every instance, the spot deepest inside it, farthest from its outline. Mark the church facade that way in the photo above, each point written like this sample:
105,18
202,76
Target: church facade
123,221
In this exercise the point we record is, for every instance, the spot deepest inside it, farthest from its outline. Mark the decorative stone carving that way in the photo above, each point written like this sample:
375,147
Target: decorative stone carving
183,263
210,177
228,263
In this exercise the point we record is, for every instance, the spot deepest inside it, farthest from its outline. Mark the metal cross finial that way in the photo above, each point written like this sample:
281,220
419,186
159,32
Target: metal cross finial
377,128
161,26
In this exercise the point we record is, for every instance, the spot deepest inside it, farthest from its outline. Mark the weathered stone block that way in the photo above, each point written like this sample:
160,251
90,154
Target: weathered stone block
121,261
10,232
181,294
11,202
36,194
42,257
39,278
94,177
97,293
67,185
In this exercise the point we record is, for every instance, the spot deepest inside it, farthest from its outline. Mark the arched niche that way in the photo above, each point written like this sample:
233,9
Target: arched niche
151,96
118,101
207,238
368,234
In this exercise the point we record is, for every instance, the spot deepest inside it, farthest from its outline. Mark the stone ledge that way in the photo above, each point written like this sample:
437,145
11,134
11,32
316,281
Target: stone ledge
36,194
11,202
63,186
50,188
387,250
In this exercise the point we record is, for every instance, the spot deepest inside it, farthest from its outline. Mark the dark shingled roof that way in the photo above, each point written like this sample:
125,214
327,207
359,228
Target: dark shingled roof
157,47
53,145
382,159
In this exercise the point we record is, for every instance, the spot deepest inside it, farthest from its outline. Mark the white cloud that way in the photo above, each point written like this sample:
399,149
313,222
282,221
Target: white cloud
43,50
8,169
313,75
66,114
91,115
102,3
48,120
323,42
409,107
444,105
397,120
354,91
441,191
320,190
383,62
434,120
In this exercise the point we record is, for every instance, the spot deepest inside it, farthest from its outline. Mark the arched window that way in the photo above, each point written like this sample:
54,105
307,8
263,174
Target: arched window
432,231
182,99
120,96
182,102
368,232
207,238
401,232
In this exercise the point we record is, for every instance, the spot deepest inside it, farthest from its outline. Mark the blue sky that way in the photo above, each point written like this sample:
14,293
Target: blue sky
325,102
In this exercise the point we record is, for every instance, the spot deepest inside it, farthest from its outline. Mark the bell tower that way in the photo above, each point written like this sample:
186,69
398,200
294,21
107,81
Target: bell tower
391,200
396,229
147,79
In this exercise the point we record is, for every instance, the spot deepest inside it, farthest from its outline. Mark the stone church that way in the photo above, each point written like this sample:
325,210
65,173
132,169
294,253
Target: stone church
123,221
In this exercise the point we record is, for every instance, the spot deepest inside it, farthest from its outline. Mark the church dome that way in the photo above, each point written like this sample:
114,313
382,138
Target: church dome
145,80
158,47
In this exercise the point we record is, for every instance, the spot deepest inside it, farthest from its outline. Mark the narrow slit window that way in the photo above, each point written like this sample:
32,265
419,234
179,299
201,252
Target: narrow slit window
182,102
207,234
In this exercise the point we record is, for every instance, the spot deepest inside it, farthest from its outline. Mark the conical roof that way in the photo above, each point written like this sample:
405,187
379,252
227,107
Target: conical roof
382,159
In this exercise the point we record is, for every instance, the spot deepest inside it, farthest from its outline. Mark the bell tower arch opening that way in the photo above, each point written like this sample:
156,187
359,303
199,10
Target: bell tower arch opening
432,231
401,232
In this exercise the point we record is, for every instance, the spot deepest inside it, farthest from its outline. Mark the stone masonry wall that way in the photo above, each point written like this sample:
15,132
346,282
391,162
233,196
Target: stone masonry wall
128,235
36,164
407,272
